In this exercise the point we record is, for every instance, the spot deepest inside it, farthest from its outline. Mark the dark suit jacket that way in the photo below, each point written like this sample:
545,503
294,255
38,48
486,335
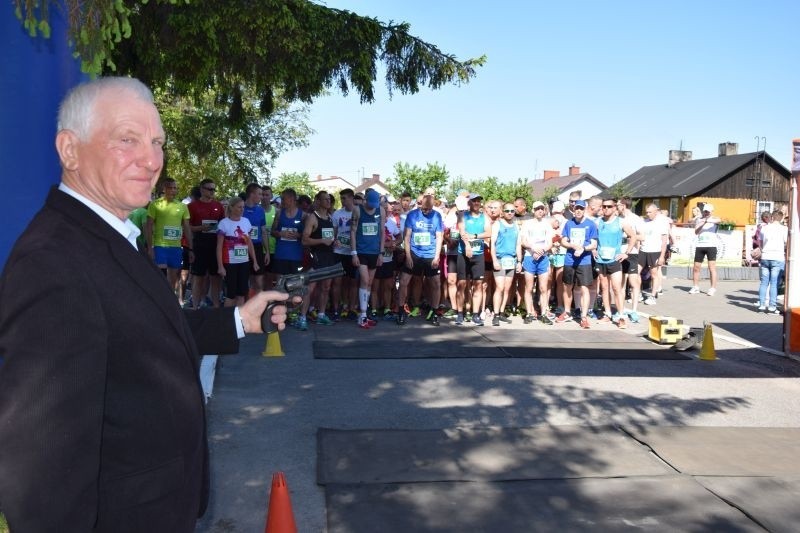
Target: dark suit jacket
102,422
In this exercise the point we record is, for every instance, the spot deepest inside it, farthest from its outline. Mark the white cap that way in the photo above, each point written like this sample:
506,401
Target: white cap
558,207
708,207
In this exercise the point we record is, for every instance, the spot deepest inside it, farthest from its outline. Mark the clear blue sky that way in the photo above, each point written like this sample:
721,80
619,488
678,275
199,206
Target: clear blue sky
607,86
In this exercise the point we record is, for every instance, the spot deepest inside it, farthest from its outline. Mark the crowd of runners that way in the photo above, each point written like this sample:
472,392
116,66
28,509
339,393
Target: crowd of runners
473,260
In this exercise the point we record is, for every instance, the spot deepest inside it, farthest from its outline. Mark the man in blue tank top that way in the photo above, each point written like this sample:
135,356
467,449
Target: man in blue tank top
475,227
610,255
366,240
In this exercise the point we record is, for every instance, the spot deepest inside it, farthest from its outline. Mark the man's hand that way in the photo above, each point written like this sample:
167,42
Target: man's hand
252,310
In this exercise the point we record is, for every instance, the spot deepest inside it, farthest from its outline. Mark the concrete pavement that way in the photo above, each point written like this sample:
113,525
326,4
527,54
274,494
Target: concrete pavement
265,412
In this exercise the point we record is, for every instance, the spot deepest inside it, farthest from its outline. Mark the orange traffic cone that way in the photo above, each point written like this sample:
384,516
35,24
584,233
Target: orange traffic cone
280,518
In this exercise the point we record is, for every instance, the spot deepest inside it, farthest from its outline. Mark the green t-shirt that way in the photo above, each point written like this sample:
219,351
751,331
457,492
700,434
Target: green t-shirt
168,220
139,216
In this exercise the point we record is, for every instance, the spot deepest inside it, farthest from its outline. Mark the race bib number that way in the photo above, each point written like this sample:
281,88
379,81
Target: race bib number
508,262
344,239
421,239
369,229
455,235
387,256
577,236
238,254
477,246
292,234
607,253
171,233
706,238
327,233
254,233
212,223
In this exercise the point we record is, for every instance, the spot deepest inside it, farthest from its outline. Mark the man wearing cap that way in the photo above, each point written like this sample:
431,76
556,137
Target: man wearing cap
366,239
579,236
534,243
344,288
474,228
705,230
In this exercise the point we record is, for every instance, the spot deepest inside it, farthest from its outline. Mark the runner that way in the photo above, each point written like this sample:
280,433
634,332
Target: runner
366,240
503,251
474,228
610,231
318,235
579,236
536,241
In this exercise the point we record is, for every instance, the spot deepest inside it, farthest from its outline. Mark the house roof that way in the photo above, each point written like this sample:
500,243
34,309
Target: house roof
562,182
690,178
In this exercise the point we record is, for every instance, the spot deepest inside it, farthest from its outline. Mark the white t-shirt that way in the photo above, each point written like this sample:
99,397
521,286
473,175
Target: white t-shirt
341,222
707,238
636,224
773,241
536,234
653,231
235,249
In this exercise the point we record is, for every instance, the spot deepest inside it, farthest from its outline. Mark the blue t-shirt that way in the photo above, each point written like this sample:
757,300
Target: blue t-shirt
609,240
582,233
257,219
369,232
423,232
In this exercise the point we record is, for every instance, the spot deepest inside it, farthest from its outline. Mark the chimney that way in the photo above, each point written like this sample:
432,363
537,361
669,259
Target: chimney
376,177
728,148
678,156
550,174
319,177
574,171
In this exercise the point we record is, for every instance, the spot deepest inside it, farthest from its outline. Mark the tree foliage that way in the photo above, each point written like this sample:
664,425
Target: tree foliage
299,181
415,179
618,190
550,192
204,143
295,47
491,188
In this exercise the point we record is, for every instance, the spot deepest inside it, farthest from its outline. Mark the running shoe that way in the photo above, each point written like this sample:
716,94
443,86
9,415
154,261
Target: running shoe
323,320
364,322
336,317
592,314
773,310
563,317
429,315
467,316
435,319
503,318
622,323
711,291
450,313
312,315
528,319
414,312
762,308
389,315
633,316
302,323
401,318
544,319
694,290
371,323
373,314
585,322
477,320
605,320
496,320
650,301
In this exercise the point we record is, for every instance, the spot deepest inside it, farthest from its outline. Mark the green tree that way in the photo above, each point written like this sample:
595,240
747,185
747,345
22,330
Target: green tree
491,188
295,46
299,181
618,190
551,191
204,143
415,179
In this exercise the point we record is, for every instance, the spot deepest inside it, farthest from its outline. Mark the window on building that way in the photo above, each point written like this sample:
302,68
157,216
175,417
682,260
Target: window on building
762,207
673,208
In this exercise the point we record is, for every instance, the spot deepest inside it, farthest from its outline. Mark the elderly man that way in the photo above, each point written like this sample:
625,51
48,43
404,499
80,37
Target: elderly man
101,409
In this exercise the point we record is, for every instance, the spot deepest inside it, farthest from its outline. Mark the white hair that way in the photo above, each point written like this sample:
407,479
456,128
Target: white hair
77,108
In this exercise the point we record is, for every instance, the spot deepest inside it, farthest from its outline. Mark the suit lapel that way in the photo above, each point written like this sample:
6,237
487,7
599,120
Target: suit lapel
139,268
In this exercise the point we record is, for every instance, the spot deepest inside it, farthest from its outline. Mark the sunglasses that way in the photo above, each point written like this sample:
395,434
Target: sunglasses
608,206
539,207
209,189
508,211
